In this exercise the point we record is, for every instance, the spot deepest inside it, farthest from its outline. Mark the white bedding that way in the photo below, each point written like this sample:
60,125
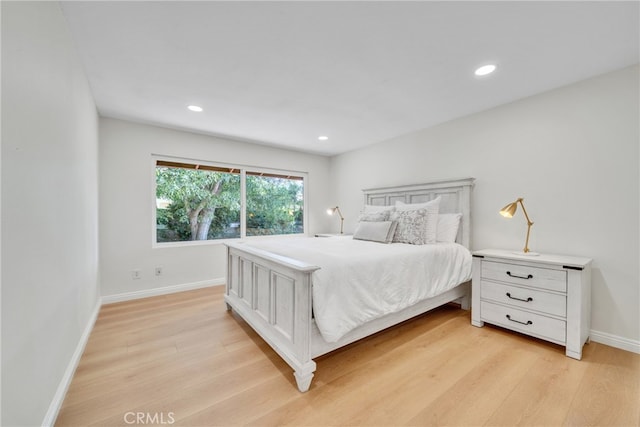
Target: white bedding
359,281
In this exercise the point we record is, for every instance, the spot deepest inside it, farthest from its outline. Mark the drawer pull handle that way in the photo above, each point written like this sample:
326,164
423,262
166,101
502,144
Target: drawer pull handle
520,299
529,276
528,322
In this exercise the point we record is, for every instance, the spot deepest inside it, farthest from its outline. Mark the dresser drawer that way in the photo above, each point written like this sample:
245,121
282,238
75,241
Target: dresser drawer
528,298
536,277
537,325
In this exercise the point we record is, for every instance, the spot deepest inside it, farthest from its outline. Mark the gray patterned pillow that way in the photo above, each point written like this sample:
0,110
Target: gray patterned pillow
412,226
374,216
375,213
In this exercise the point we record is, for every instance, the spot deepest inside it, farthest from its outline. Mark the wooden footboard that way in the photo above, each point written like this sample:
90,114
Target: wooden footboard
273,294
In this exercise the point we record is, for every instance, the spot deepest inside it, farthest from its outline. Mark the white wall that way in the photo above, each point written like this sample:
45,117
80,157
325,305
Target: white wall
127,200
49,180
572,153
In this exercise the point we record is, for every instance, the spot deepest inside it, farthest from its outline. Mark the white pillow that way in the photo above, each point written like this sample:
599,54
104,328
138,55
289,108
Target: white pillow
382,231
448,227
431,207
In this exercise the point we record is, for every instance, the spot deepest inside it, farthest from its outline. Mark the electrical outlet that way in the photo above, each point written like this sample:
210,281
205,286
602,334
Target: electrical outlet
136,274
158,271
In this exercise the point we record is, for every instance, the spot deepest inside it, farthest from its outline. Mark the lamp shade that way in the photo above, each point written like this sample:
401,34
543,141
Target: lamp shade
509,210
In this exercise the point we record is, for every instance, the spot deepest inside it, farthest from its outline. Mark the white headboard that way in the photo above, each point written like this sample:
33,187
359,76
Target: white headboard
455,198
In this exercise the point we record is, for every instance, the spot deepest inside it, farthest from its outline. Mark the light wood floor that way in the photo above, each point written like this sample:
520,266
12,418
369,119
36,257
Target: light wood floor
182,359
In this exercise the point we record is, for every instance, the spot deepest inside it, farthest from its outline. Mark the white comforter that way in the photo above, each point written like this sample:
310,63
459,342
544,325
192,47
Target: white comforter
360,281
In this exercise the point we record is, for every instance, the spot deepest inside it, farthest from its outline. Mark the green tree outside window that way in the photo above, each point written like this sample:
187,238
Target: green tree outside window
197,202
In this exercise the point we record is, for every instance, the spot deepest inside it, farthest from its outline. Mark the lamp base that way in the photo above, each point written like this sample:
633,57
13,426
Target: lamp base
526,253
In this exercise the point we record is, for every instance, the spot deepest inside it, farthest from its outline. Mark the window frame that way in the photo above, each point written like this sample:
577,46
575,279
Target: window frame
253,170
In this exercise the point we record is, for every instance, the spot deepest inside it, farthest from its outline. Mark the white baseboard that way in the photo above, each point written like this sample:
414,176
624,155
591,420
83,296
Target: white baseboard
615,341
110,299
65,382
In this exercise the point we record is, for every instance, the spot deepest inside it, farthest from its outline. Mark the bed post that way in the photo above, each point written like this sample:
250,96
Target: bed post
273,294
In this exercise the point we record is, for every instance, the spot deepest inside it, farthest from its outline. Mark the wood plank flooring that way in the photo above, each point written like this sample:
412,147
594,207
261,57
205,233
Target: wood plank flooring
183,360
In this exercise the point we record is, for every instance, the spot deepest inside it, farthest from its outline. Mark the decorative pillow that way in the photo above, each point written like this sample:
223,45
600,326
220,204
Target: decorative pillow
448,227
431,208
382,232
374,216
375,213
412,226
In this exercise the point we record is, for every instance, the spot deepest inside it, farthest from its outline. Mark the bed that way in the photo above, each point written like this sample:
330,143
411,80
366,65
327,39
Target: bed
270,284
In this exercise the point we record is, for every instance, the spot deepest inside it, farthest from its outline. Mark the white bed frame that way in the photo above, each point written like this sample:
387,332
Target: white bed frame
272,293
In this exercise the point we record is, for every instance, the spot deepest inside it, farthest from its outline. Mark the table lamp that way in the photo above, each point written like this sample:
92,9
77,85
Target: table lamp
508,212
331,211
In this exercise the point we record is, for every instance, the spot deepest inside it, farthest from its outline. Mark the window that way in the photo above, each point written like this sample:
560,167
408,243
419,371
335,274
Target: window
200,202
275,204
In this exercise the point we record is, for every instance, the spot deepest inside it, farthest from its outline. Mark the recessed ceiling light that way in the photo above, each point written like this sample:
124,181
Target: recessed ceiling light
195,108
323,138
485,69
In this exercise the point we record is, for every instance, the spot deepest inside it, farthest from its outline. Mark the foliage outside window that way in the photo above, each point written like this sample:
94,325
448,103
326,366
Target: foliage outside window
203,202
275,204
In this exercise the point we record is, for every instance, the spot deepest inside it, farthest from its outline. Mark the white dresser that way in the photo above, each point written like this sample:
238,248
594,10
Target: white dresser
545,296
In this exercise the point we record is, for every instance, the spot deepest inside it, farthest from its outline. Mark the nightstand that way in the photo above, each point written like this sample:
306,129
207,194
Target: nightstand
545,296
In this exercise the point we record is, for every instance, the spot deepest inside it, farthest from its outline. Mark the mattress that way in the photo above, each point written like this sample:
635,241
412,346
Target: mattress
359,281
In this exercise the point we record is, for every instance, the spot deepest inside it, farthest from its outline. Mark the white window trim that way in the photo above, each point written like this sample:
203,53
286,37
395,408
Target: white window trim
243,214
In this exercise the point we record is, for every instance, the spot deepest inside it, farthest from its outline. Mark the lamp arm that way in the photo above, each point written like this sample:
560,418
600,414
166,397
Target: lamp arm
341,220
529,224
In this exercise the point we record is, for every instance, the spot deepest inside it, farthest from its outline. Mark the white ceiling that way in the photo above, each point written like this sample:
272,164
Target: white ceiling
283,73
